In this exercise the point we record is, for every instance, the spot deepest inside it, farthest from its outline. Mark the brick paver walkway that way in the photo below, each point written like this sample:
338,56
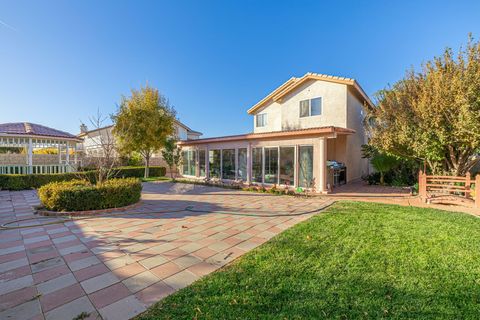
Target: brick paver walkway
115,267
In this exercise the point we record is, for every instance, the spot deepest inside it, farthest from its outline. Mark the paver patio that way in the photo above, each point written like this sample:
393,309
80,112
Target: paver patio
115,267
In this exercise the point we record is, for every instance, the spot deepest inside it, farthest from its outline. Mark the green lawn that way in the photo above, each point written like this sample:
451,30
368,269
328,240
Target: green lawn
357,260
152,179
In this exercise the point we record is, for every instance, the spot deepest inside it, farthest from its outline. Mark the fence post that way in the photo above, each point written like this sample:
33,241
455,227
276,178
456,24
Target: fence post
422,188
468,182
477,191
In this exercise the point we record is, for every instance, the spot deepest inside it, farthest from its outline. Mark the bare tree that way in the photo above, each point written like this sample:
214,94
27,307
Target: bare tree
100,148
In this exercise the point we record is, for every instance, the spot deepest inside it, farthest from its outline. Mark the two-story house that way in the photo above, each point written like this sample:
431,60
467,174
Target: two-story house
307,133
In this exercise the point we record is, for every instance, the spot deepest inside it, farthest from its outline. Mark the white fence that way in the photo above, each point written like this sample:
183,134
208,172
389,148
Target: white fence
45,168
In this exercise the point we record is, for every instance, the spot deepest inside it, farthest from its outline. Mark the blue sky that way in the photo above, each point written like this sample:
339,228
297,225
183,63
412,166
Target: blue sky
61,61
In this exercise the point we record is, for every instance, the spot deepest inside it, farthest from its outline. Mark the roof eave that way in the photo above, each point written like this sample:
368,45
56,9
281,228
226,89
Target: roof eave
36,136
272,135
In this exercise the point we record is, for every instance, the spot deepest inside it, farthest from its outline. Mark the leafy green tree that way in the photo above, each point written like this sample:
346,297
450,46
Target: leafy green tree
143,123
172,154
383,163
433,115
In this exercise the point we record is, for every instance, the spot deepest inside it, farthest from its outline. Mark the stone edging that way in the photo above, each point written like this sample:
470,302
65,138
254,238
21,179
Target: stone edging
48,213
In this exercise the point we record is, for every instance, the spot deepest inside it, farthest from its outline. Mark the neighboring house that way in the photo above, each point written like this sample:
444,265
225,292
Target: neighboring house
307,133
96,141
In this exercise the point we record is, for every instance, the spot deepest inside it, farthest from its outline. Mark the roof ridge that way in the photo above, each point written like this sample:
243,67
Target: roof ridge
278,94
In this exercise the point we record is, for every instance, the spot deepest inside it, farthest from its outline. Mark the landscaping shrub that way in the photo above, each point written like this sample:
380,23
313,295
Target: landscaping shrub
35,181
138,172
81,195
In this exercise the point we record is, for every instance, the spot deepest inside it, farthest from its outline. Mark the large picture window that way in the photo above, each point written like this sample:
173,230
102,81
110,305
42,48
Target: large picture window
228,164
188,158
257,165
305,161
201,162
287,165
271,165
214,163
242,164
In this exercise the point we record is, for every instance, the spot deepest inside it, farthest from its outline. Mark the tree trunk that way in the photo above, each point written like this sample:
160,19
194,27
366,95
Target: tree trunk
147,164
382,178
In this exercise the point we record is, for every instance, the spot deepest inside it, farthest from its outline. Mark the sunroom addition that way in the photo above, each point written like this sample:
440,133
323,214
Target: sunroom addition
27,148
294,158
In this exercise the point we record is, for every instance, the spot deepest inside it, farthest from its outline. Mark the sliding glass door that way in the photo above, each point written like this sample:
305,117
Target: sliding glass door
257,165
271,165
228,164
305,161
287,165
201,162
242,164
214,163
189,162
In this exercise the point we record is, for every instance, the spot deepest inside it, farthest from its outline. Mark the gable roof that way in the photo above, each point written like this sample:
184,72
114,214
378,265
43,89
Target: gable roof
293,83
33,130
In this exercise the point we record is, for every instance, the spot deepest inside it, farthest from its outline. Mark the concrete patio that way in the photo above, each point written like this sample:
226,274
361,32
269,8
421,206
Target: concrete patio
115,267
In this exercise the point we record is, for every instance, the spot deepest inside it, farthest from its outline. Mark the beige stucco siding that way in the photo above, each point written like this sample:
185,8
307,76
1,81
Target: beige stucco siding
356,165
333,106
285,114
274,118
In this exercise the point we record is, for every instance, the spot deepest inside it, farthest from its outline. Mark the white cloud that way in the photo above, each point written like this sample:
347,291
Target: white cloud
7,25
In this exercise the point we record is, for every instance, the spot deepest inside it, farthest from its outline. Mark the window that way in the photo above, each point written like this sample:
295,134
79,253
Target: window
185,162
304,108
312,107
192,162
305,160
201,162
228,164
188,159
257,164
214,163
287,165
261,120
242,164
271,165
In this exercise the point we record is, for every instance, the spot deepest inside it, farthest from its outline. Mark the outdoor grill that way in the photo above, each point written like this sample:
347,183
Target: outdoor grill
337,173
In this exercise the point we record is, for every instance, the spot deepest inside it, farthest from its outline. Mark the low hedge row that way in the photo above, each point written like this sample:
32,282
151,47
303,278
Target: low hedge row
81,195
35,181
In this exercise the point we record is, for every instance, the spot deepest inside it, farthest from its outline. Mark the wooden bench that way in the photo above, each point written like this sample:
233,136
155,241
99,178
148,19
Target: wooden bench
431,188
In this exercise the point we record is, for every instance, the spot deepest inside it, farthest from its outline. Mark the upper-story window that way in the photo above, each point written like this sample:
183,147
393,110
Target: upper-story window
261,120
310,107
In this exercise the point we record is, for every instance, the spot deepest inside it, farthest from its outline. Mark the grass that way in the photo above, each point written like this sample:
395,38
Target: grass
152,179
357,260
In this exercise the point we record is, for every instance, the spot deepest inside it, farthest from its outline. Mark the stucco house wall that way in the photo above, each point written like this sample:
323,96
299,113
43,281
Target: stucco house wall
356,165
333,97
285,114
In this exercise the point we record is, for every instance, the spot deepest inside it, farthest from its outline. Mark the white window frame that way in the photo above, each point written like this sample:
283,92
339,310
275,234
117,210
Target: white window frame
309,107
263,117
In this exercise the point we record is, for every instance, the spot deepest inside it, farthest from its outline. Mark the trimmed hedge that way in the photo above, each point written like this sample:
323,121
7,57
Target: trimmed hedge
35,181
80,195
